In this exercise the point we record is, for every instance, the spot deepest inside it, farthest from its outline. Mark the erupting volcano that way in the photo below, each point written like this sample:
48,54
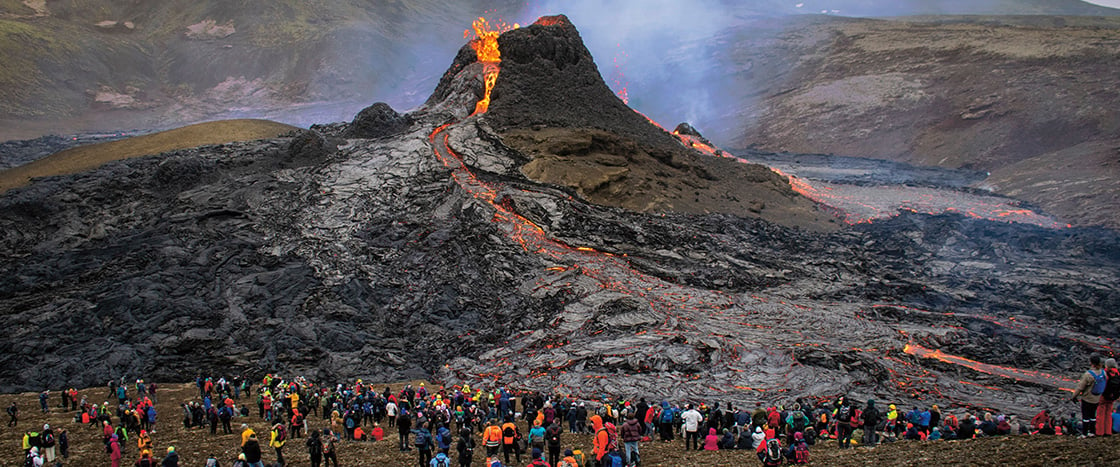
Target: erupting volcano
526,228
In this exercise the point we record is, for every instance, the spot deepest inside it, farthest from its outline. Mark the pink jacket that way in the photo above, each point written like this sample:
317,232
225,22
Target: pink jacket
711,442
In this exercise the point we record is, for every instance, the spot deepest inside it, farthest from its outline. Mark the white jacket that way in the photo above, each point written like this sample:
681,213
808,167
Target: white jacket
691,420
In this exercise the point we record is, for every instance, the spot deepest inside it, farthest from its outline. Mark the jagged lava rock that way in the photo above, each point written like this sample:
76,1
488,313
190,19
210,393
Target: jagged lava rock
377,121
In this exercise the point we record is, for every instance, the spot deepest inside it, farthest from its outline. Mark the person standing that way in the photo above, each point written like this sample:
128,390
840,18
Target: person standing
552,438
631,434
115,450
492,439
330,456
423,443
46,444
691,418
871,419
252,451
315,448
404,428
1085,393
13,414
465,446
391,412
1104,407
845,422
277,440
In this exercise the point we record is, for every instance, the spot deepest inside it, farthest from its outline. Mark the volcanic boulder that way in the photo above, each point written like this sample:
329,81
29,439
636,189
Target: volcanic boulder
377,121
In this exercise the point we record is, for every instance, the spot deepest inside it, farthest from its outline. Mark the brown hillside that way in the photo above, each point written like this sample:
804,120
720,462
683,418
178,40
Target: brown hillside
1023,98
84,158
195,445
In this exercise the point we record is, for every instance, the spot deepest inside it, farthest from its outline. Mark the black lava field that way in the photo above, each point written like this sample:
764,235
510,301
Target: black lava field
411,245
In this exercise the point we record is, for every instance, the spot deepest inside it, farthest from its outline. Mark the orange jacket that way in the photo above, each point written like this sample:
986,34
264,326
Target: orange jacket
492,436
509,439
602,438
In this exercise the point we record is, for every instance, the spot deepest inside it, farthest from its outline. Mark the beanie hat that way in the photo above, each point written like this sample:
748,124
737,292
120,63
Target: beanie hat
568,453
537,453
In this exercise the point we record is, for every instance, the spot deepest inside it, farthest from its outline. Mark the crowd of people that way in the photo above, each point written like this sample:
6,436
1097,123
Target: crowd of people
446,426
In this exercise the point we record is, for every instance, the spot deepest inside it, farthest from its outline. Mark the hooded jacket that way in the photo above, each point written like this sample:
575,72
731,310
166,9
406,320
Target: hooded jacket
711,442
631,431
602,438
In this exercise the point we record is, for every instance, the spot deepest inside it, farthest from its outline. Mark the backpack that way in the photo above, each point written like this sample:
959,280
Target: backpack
281,433
1099,382
28,461
1112,386
667,416
445,462
423,439
773,451
845,413
801,453
566,463
612,459
508,432
553,435
799,421
578,456
212,462
48,440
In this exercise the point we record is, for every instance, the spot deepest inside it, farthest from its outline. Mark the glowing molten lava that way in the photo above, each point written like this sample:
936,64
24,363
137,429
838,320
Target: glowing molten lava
1017,374
485,44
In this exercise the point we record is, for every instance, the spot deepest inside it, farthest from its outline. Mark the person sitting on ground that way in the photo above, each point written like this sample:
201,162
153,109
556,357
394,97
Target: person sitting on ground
171,459
377,433
934,434
569,460
798,453
770,453
538,459
711,442
728,440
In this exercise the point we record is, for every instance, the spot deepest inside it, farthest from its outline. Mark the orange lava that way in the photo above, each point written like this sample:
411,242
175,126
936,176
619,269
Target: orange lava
485,45
551,20
1016,374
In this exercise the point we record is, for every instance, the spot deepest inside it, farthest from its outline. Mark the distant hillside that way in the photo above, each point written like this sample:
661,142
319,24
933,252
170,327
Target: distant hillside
1030,99
74,65
149,64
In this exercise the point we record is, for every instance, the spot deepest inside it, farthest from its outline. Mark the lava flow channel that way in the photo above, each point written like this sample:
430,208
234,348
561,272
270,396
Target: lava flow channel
593,263
1016,374
611,272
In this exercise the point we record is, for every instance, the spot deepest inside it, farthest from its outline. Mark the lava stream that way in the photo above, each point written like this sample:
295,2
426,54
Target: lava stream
1016,374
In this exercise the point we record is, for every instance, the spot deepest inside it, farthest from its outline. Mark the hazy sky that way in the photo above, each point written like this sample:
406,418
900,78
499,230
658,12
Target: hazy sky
1108,3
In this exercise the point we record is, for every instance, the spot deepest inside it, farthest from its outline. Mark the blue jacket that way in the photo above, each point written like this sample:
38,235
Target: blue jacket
923,418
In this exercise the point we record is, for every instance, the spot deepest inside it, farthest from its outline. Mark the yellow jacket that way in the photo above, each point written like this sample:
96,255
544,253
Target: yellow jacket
274,442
